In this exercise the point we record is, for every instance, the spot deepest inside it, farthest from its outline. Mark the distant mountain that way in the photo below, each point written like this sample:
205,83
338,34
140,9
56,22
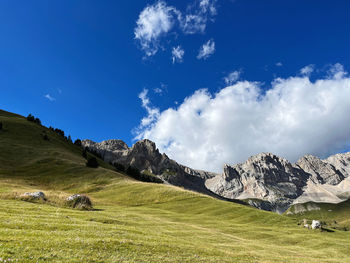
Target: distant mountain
279,183
265,181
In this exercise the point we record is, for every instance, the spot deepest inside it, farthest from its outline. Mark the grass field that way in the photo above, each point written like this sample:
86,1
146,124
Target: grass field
334,216
132,221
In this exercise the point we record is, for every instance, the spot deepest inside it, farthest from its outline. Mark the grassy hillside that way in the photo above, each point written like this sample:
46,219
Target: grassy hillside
334,216
133,221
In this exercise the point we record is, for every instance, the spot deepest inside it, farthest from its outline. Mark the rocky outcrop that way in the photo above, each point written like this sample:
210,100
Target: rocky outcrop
79,201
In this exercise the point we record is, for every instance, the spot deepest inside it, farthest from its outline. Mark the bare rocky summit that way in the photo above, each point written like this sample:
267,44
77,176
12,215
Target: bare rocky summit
265,177
265,180
145,156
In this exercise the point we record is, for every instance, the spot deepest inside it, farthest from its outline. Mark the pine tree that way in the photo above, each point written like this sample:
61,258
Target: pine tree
77,142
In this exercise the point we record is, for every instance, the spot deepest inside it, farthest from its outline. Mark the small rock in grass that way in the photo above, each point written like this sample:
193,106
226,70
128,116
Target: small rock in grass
35,195
315,224
79,201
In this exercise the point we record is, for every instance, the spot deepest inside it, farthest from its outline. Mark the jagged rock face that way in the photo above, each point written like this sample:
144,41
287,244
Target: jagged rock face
264,176
144,155
341,162
321,171
273,179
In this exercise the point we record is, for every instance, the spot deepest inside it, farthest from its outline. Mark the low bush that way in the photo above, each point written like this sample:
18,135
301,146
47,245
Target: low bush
145,176
92,162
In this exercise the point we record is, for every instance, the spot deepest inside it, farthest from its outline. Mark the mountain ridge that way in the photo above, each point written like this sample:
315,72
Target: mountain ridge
273,180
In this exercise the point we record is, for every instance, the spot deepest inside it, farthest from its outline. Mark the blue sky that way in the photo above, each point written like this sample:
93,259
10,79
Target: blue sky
78,65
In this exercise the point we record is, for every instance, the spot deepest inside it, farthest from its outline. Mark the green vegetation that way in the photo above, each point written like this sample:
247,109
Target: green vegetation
92,162
332,216
132,221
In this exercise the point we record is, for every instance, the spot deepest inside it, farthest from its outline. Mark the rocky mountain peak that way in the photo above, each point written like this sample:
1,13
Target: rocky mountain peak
321,171
341,161
114,145
145,145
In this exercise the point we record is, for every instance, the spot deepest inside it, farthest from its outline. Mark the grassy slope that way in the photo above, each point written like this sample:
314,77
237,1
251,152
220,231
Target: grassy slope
336,216
135,221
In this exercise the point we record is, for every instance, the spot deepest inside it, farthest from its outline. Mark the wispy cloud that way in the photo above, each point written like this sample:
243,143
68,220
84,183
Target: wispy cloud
157,20
158,90
232,77
279,64
152,112
206,50
307,70
49,97
337,71
177,54
195,21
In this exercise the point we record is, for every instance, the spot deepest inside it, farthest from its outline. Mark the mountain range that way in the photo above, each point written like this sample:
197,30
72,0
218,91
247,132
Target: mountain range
265,181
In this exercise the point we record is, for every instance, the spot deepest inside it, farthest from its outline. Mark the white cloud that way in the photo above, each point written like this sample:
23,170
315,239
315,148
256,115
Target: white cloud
279,64
158,90
196,19
206,50
337,71
152,113
159,19
177,54
154,21
49,97
232,77
307,70
294,117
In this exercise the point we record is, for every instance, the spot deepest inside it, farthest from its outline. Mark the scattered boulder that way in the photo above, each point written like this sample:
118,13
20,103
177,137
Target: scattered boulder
315,224
34,195
79,201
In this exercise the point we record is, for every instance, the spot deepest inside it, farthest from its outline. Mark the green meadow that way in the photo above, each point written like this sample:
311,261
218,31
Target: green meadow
133,221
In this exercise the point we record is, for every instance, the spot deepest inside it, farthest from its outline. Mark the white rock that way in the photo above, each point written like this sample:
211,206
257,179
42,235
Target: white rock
73,197
315,224
36,195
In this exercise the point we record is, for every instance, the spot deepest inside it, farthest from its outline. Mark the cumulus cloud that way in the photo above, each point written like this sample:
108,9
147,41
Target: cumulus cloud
296,116
307,70
206,50
157,20
154,21
177,54
49,97
232,77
